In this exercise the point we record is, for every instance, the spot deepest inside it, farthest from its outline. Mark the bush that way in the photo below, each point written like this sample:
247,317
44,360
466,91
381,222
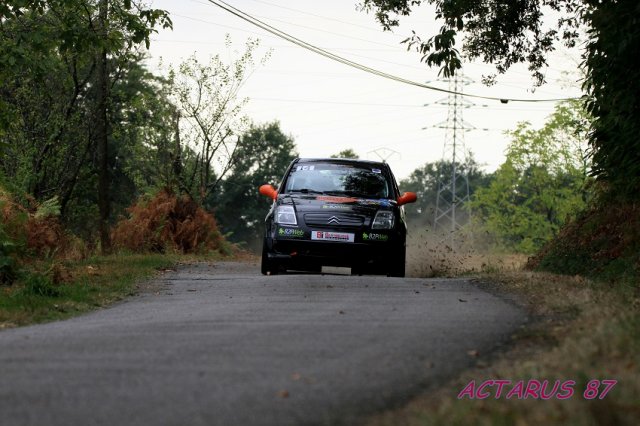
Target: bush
603,242
12,236
7,262
45,236
30,232
167,222
38,285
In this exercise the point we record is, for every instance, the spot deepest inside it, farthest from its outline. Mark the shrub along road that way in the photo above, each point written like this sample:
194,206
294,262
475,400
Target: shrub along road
220,344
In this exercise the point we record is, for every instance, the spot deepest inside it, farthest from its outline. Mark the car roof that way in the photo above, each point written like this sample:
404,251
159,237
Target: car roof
366,163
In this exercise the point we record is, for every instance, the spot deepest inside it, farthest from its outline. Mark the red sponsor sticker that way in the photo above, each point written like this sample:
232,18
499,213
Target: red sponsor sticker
331,199
332,236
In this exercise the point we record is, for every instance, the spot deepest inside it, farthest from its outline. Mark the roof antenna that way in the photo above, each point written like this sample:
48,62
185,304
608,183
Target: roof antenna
384,153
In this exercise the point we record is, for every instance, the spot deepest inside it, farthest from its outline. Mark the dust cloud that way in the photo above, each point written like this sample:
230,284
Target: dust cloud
446,254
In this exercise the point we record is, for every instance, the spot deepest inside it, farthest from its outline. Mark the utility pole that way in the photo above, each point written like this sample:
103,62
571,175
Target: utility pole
453,188
102,129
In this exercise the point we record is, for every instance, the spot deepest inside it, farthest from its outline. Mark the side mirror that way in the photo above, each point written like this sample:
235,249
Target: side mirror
406,198
269,191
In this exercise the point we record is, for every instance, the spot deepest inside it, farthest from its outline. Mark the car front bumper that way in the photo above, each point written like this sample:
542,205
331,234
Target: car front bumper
305,254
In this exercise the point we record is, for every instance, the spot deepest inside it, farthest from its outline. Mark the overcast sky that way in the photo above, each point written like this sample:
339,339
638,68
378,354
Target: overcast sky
327,106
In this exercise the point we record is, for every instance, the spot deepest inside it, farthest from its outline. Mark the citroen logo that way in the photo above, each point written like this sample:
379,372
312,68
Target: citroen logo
333,220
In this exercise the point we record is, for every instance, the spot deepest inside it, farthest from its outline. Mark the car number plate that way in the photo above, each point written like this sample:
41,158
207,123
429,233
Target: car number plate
332,236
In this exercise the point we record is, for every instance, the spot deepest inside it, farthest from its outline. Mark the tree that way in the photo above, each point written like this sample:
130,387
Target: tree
55,70
264,152
541,184
346,153
498,32
210,118
613,84
102,127
506,33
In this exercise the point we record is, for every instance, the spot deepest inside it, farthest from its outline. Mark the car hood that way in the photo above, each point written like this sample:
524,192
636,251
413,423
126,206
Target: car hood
327,203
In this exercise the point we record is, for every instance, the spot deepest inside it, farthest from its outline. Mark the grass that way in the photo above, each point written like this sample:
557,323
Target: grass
65,289
581,331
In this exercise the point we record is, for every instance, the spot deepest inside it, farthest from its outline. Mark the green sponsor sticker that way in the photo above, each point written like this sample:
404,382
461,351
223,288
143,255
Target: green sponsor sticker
291,232
374,237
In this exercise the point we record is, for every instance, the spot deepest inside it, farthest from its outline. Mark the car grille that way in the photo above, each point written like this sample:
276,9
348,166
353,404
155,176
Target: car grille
332,220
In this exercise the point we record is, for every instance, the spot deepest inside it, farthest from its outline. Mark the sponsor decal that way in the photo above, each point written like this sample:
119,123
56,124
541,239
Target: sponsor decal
291,232
376,170
332,236
374,237
336,207
331,199
381,203
305,168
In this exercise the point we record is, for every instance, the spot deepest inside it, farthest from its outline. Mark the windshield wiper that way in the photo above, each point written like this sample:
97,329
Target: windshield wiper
305,191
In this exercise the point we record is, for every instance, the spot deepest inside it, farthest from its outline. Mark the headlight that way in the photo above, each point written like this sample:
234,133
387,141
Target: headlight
383,220
286,215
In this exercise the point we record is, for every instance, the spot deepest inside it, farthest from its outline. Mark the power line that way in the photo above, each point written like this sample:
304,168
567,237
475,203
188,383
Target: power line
377,30
390,48
279,33
317,29
333,33
341,35
375,104
279,46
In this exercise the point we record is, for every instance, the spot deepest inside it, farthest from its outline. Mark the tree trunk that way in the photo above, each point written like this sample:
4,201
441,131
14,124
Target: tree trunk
102,142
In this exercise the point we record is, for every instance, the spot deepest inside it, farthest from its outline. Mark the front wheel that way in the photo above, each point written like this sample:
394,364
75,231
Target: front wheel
396,269
267,266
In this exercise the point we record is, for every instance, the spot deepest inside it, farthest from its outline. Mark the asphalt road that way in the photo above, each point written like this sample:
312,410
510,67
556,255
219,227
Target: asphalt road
222,345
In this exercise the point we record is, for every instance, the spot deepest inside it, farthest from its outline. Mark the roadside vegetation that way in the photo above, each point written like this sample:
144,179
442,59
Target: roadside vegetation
49,273
53,290
109,172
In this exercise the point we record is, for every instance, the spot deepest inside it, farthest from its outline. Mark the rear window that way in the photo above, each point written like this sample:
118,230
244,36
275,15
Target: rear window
338,179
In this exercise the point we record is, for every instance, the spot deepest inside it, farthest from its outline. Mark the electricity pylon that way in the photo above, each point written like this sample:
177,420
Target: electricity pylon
453,188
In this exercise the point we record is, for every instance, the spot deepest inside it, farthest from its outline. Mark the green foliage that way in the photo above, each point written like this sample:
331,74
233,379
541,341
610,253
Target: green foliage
48,51
50,207
613,83
263,154
603,242
424,182
60,290
541,184
38,285
507,33
210,115
501,33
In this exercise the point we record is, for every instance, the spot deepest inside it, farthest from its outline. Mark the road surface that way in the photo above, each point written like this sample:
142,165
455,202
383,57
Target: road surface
222,345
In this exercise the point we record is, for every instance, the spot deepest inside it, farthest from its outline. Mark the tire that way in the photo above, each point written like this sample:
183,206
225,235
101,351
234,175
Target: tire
267,266
396,269
358,270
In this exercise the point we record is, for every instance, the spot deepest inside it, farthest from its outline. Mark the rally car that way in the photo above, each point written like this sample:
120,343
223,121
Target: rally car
336,212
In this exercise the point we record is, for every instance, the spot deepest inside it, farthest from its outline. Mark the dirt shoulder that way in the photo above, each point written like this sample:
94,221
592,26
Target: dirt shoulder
580,335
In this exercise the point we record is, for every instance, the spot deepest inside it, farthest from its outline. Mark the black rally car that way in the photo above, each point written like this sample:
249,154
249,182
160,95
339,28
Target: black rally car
336,212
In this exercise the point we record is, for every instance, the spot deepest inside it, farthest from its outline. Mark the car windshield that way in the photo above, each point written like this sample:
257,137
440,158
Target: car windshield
338,179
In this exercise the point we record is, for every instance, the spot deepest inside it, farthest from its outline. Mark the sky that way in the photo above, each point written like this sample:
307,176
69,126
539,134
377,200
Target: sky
328,107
